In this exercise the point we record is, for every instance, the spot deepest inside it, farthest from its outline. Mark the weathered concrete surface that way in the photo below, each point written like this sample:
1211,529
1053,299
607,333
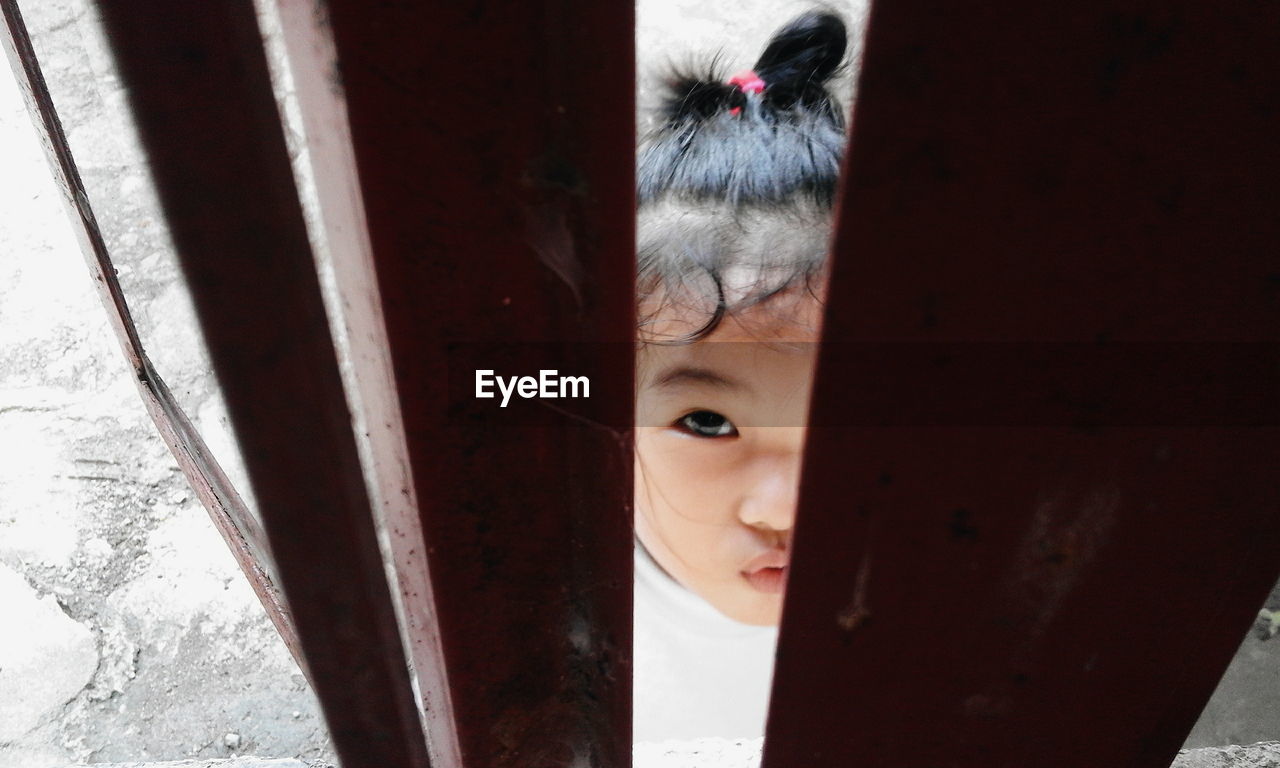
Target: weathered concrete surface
44,663
1261,755
93,512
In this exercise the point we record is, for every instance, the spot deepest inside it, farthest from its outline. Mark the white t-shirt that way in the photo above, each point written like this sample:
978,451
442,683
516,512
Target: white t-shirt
698,673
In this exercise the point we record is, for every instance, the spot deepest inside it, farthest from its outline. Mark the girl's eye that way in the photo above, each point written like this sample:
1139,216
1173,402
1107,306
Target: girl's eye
707,424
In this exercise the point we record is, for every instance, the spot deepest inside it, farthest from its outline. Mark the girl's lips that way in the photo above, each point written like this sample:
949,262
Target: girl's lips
769,580
771,558
767,572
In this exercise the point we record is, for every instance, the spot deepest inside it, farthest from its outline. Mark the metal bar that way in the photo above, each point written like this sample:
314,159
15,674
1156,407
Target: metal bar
198,83
494,168
1032,589
237,526
313,61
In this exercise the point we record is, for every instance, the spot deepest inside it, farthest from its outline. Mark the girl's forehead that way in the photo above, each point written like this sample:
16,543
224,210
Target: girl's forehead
793,316
760,348
762,383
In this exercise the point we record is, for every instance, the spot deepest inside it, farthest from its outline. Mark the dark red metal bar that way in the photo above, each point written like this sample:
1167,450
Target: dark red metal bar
493,149
237,526
329,151
1033,589
198,83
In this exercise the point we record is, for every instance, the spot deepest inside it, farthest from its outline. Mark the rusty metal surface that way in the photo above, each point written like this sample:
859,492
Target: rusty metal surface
198,84
493,150
233,520
1065,589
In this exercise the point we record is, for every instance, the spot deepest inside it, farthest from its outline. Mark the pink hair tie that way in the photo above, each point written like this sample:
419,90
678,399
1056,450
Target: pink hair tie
748,82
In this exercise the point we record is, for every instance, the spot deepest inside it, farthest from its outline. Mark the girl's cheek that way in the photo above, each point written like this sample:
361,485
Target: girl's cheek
700,477
693,488
707,454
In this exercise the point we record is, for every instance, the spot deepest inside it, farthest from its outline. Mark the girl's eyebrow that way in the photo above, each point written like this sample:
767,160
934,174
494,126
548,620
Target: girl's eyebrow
684,374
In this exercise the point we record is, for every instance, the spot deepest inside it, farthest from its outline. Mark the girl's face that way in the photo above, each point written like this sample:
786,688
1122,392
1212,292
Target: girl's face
720,431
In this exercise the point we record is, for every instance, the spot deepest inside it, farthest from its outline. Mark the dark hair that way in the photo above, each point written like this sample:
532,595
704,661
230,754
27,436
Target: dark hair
728,178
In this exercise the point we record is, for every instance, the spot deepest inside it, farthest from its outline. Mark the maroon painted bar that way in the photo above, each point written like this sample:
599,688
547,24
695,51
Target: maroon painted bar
492,169
312,60
239,529
198,84
1059,584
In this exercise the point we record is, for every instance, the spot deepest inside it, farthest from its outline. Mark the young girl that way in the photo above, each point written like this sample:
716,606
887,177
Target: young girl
735,192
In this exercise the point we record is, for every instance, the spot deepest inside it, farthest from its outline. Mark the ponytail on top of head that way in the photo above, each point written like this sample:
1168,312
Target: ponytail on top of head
800,59
719,142
736,183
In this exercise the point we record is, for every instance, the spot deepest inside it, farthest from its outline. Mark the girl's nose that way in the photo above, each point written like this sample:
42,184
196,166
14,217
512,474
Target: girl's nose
773,492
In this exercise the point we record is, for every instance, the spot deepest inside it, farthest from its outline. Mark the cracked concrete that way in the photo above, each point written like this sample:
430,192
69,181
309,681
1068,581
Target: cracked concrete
45,665
159,650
